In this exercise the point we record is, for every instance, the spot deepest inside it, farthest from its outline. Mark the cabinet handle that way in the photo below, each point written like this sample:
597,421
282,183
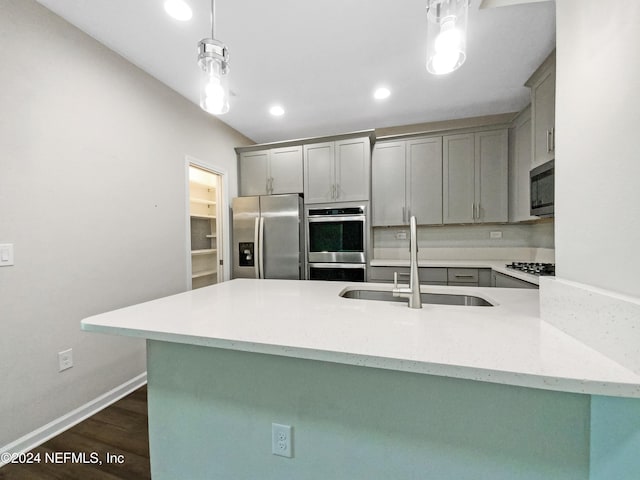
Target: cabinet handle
473,211
549,133
553,139
464,276
337,191
478,211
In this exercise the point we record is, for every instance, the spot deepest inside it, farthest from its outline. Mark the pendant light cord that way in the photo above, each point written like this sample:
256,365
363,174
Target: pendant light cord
213,25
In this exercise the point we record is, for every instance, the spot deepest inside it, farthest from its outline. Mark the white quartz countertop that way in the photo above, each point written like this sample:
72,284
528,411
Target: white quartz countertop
506,343
497,265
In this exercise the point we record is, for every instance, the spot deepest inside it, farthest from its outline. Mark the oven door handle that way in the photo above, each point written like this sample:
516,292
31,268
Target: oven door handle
351,266
336,218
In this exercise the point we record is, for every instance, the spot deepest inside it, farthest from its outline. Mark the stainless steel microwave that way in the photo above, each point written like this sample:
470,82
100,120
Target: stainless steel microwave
542,189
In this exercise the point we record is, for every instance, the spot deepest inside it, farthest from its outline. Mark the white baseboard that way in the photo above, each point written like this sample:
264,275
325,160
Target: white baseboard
65,422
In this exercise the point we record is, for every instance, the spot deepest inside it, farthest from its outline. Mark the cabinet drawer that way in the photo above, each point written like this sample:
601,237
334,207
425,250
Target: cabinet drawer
385,274
462,275
433,275
505,281
427,275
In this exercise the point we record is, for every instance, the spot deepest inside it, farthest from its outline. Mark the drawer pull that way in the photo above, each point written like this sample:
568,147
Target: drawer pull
465,276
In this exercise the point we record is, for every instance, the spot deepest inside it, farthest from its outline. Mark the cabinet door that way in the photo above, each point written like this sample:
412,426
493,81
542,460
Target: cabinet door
424,180
458,178
319,185
286,170
492,176
519,167
500,280
352,167
388,184
254,172
543,98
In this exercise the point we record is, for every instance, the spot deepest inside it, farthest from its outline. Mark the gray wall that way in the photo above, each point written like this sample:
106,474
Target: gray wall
351,422
92,194
597,193
597,162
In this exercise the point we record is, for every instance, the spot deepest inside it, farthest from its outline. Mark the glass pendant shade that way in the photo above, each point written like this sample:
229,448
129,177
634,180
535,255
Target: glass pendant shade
213,59
446,35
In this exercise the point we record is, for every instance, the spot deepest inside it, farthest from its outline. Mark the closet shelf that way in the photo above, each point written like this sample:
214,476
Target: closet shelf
203,201
204,273
205,251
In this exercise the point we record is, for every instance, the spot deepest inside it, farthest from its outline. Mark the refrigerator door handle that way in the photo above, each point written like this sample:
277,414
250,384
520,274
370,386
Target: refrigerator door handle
256,238
261,247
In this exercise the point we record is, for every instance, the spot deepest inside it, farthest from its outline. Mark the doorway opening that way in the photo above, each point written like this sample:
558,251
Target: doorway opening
205,226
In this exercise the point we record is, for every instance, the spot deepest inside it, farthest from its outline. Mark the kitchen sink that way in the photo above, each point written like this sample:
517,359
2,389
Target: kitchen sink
428,298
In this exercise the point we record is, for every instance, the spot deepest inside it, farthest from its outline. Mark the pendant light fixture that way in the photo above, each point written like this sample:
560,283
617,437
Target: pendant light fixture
213,59
446,35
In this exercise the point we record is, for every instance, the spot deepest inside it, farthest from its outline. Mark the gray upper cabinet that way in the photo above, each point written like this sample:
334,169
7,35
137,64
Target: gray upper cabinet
458,157
406,181
337,171
388,177
424,180
492,180
271,172
519,167
253,172
543,101
475,177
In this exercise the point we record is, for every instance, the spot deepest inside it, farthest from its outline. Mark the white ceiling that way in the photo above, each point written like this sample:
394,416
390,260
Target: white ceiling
322,60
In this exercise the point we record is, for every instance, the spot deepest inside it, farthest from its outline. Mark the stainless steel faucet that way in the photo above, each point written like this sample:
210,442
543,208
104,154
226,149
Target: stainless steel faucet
413,291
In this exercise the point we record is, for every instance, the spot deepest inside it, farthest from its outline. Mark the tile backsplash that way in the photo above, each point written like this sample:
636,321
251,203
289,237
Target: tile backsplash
536,235
518,242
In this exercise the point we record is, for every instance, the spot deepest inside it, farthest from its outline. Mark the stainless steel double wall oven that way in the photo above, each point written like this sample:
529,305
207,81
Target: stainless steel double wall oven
336,237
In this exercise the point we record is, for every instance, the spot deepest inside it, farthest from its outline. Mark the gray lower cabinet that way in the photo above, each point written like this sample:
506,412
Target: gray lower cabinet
464,277
427,275
337,171
271,171
475,177
407,180
501,280
469,277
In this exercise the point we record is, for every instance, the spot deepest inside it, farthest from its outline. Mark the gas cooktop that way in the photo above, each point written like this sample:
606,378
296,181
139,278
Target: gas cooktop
534,268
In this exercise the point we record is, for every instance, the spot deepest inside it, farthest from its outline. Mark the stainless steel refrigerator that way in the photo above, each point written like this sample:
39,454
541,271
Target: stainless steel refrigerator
268,237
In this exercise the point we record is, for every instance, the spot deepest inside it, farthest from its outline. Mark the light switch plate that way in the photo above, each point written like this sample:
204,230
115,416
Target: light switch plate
496,235
6,254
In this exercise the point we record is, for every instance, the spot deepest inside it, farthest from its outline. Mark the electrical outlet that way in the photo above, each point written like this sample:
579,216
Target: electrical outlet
401,235
496,235
65,360
281,441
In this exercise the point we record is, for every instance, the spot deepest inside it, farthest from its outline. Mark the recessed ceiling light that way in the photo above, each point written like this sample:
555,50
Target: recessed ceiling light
178,9
276,111
381,93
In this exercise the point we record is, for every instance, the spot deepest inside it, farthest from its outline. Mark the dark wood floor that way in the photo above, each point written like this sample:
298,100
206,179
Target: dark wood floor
119,430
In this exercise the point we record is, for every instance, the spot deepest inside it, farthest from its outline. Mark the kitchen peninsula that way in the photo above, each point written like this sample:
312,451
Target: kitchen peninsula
372,389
